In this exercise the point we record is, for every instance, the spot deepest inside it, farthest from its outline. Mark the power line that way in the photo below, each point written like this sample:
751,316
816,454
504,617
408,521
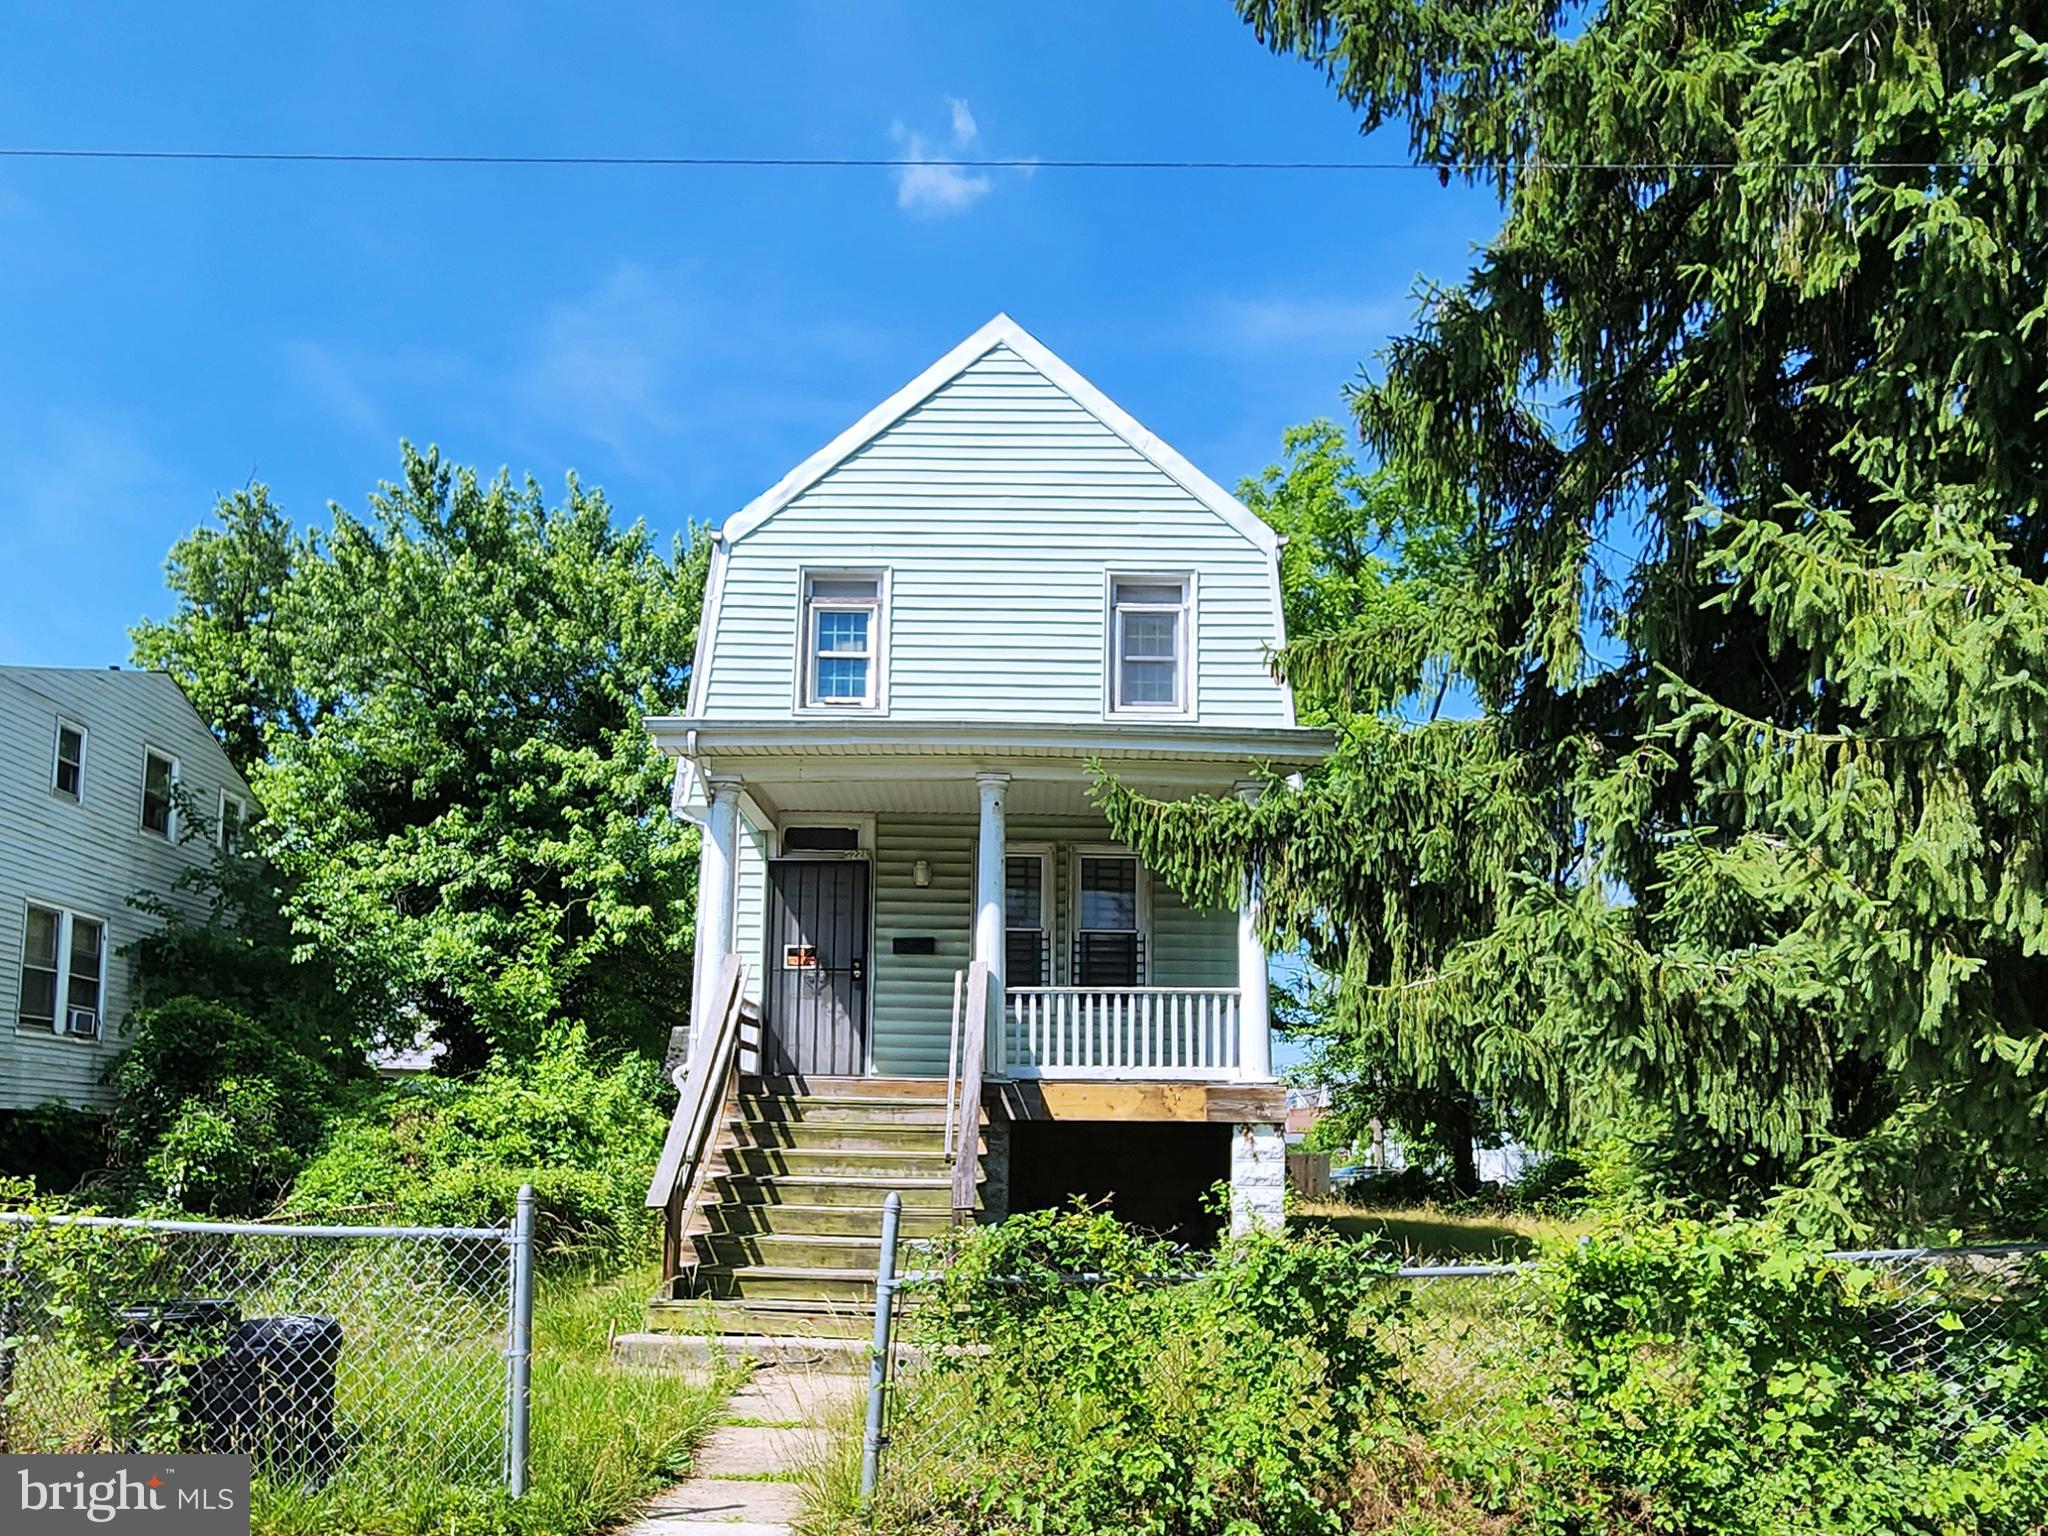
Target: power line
1019,163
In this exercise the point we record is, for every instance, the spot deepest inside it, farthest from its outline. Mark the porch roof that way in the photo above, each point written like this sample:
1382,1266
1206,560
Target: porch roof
804,754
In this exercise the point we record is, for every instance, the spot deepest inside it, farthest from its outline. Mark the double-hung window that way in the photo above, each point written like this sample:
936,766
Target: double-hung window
1026,960
159,776
63,971
67,772
234,818
1109,943
842,661
1148,644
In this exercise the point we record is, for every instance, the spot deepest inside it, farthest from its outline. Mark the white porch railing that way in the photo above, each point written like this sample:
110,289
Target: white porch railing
1169,1032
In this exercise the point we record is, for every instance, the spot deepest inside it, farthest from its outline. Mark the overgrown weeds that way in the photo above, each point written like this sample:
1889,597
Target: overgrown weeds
1694,1379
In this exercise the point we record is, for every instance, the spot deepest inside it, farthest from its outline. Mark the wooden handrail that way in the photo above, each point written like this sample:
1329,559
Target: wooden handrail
966,1147
707,1079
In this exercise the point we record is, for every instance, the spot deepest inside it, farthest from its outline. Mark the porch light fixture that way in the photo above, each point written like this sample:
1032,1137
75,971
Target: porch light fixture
921,872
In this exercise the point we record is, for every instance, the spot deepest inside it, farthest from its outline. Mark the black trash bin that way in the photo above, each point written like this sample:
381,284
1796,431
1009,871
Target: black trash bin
284,1376
179,1394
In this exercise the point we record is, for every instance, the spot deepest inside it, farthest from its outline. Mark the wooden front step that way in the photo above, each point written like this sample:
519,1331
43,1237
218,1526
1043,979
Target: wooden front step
844,1135
807,1162
765,1109
787,1234
790,1250
760,1318
851,1288
861,1190
820,1220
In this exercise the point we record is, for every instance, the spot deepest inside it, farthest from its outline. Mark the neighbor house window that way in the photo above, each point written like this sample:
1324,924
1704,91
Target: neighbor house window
842,641
234,816
39,971
1025,958
1148,636
67,777
1109,947
63,971
159,773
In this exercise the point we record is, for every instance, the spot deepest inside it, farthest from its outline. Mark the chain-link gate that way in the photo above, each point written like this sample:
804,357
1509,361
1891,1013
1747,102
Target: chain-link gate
320,1351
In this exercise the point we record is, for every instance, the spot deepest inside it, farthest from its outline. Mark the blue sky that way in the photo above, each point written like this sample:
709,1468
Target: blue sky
681,338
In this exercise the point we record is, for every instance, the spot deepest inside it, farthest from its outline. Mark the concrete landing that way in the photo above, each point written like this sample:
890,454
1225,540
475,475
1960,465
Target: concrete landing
745,1476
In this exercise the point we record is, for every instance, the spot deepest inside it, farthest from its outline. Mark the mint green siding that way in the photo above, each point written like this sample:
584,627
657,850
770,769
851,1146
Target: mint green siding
913,994
750,901
913,1001
998,506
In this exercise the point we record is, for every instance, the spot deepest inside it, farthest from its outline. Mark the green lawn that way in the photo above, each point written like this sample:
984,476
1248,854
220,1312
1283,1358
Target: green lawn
605,1438
1428,1235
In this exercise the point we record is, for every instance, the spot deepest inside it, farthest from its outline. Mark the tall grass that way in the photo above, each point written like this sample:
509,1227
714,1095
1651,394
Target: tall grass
605,1438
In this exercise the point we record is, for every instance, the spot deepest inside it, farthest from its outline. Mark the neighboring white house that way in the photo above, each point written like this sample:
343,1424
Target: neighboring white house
913,648
89,817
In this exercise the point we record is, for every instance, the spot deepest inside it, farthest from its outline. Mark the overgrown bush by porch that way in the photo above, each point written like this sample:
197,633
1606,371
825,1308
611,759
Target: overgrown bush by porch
1699,1377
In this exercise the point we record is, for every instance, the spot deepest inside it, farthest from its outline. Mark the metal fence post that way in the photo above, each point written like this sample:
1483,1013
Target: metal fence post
878,1361
519,1345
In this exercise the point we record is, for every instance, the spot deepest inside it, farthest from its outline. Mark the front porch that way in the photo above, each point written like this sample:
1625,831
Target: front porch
1097,969
961,989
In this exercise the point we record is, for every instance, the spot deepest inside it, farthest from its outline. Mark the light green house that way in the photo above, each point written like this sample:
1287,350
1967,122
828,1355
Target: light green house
912,648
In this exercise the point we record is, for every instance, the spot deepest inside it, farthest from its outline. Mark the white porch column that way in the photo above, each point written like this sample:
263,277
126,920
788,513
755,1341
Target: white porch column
715,864
988,884
1254,1001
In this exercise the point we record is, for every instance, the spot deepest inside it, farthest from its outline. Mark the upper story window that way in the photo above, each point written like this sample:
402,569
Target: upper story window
1148,644
63,971
842,662
67,773
234,817
159,775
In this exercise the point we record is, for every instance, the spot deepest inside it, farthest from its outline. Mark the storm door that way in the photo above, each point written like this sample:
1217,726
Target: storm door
817,967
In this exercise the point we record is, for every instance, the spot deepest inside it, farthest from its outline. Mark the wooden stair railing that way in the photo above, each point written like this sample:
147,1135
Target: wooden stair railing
707,1081
966,1129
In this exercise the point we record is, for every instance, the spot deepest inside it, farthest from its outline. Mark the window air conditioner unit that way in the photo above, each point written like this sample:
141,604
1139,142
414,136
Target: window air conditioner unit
82,1022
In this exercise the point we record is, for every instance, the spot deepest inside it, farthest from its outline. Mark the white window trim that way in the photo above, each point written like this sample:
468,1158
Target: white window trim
1048,904
66,723
1082,851
1186,708
220,820
804,699
170,831
863,830
66,917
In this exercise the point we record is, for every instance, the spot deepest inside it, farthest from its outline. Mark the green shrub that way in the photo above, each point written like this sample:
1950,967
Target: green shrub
583,1129
1724,1379
1230,1403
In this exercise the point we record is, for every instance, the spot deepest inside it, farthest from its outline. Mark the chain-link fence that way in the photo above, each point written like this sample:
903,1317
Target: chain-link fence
1479,1356
321,1352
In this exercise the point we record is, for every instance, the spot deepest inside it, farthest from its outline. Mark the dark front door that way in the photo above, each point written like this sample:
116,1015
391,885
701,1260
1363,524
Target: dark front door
817,962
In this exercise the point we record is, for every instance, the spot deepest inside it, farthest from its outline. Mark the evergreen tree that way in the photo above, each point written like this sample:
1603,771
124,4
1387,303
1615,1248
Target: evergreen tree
1745,404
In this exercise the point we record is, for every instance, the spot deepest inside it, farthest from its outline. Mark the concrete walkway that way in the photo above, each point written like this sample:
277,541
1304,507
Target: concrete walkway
743,1479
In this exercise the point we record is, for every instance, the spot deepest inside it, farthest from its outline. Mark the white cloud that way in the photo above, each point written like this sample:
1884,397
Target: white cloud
605,363
927,189
964,130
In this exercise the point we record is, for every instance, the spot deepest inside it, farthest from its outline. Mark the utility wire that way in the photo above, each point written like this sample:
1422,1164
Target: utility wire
857,162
